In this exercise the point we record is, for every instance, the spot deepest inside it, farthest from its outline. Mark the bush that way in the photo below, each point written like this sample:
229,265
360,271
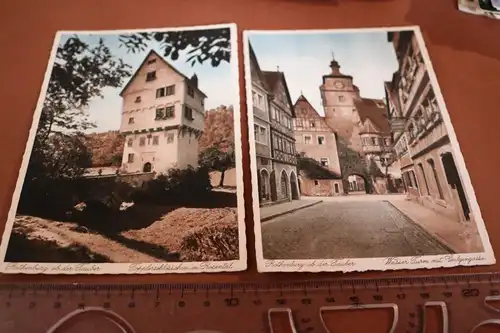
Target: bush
212,243
50,198
176,186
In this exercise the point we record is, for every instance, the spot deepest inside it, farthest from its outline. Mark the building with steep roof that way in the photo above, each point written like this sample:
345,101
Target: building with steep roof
262,132
162,118
275,151
283,150
317,144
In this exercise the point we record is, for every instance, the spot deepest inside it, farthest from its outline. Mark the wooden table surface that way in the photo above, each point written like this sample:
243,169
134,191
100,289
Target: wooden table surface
464,49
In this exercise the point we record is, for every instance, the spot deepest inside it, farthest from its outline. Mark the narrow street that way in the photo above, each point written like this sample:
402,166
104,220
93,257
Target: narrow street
346,229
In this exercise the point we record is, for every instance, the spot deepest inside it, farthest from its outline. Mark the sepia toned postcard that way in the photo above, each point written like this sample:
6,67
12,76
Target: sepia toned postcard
355,164
133,163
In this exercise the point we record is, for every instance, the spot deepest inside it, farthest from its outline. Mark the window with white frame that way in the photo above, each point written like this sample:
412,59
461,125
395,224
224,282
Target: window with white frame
321,140
263,135
260,133
307,139
323,161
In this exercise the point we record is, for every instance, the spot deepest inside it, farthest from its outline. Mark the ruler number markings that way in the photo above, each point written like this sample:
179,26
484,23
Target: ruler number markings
447,294
470,292
232,301
425,295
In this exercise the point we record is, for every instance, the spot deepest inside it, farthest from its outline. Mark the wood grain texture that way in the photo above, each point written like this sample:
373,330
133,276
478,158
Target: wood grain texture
463,50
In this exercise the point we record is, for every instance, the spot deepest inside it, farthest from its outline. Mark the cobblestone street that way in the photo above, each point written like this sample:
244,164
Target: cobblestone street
350,229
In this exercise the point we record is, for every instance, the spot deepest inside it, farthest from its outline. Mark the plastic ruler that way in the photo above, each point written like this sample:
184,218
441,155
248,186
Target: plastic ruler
461,303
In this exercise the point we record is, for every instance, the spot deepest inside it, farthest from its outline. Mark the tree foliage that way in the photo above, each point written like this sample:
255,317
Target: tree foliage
218,129
217,159
310,168
217,142
80,73
176,186
212,45
59,153
106,148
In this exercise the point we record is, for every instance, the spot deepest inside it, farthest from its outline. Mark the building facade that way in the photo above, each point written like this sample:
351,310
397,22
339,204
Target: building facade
162,118
363,131
273,131
422,144
262,133
315,140
283,150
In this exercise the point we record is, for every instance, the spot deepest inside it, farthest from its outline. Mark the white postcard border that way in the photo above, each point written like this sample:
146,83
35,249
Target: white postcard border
366,264
130,268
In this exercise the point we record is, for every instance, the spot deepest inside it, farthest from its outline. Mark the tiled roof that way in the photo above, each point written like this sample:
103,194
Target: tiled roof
193,81
272,79
303,102
254,64
372,109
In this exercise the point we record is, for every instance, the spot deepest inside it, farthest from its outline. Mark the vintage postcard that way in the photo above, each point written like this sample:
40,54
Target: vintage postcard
133,163
355,164
489,8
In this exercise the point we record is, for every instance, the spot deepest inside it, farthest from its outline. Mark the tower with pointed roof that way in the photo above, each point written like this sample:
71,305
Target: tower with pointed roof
362,127
338,95
162,118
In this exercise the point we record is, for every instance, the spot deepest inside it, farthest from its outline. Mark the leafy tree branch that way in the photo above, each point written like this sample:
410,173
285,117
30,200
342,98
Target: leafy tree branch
212,45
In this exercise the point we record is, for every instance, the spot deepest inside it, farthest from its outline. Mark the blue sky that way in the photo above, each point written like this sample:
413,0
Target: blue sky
305,58
218,83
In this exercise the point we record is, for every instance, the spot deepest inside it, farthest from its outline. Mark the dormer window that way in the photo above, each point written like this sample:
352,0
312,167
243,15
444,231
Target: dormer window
138,99
150,76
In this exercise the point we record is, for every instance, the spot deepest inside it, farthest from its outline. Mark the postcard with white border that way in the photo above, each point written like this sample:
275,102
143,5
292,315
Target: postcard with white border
355,164
133,162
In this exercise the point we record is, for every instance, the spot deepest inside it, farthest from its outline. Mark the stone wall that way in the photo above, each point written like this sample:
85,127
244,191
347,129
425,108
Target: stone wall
136,179
320,187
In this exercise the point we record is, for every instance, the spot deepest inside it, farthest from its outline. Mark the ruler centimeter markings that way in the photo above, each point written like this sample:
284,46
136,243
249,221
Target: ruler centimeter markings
465,302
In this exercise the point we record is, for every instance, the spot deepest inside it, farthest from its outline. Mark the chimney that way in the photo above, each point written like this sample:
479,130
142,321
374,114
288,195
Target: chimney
194,80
